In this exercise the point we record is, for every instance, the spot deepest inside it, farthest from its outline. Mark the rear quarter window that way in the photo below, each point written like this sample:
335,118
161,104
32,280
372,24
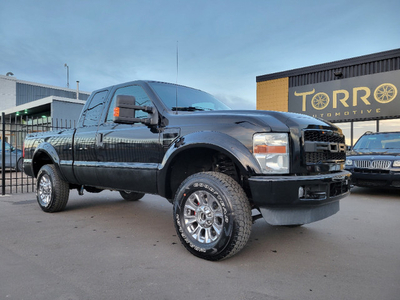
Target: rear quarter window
93,111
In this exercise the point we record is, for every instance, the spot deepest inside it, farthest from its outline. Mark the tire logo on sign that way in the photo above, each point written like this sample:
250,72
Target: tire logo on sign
385,93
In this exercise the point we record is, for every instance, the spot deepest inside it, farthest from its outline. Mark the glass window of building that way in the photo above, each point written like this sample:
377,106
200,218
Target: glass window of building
389,125
359,128
346,128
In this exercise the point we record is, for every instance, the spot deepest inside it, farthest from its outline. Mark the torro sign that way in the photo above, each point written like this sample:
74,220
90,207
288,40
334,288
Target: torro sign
365,97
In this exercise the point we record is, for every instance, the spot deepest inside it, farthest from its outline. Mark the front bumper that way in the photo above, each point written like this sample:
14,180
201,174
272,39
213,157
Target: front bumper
295,200
375,178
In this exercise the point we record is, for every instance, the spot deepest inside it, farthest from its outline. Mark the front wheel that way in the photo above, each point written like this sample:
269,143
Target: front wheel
212,215
52,191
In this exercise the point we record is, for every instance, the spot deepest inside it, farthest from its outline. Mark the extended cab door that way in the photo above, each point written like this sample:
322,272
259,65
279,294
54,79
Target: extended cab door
128,155
85,155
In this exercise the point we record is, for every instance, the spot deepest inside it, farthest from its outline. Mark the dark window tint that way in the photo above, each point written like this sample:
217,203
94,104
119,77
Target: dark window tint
93,112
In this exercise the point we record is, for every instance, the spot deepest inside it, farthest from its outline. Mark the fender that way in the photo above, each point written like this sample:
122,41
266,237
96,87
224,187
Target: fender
50,151
221,142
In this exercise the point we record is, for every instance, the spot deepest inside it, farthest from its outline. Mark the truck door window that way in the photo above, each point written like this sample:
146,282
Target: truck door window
132,90
93,112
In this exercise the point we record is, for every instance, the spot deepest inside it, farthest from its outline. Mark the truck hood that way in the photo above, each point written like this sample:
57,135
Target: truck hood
374,152
268,120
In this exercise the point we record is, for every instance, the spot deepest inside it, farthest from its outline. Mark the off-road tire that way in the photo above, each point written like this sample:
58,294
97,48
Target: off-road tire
52,192
131,196
212,215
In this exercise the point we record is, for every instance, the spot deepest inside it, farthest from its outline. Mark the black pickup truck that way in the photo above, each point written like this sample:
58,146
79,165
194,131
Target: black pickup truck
221,169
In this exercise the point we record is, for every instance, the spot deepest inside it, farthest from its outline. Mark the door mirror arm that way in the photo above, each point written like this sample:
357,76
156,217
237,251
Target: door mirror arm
125,109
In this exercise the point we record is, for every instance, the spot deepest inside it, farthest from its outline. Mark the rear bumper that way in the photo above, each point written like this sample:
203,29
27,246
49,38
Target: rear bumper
293,200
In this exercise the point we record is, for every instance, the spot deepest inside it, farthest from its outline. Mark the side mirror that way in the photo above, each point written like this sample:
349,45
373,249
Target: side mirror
125,108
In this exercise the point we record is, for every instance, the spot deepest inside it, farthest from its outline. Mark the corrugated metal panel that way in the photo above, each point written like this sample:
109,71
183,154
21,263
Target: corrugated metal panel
27,93
353,67
83,96
346,71
368,68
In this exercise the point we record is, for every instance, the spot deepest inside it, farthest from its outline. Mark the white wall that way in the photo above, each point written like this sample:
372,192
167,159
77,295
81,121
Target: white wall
8,88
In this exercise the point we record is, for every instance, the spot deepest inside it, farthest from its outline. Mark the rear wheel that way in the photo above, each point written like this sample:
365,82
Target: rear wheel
131,196
52,191
20,165
212,215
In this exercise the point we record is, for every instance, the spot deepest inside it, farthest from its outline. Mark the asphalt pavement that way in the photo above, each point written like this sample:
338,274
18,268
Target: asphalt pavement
103,247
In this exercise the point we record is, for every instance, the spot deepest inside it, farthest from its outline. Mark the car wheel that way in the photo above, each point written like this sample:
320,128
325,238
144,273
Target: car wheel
131,196
52,191
212,215
20,165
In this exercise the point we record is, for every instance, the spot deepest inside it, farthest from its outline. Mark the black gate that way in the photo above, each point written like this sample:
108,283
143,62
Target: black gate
13,132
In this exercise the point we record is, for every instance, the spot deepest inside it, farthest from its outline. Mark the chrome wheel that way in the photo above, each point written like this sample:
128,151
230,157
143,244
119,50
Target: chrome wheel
212,215
45,190
203,217
52,191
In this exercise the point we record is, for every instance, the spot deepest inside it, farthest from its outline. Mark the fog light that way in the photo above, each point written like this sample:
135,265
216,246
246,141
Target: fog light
301,192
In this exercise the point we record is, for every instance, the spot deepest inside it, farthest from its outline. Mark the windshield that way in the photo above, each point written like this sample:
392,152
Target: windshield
181,98
379,141
7,146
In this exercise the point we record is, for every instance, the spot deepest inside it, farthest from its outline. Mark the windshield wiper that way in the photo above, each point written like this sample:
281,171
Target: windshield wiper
187,108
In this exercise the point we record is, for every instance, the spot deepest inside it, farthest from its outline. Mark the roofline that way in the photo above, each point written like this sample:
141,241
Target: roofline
41,102
332,65
380,132
142,81
41,85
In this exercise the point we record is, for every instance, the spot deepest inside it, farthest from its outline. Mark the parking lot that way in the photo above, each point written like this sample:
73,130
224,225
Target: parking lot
102,247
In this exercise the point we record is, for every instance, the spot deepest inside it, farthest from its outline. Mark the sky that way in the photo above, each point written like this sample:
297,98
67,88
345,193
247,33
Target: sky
216,46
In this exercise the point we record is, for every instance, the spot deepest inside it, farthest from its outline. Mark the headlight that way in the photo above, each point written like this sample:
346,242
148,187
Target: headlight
349,162
396,163
272,152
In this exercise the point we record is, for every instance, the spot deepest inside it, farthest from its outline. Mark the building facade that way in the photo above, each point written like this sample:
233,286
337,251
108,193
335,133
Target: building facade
34,100
36,105
358,94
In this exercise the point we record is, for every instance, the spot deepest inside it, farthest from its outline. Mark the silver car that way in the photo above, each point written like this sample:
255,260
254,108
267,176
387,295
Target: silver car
13,157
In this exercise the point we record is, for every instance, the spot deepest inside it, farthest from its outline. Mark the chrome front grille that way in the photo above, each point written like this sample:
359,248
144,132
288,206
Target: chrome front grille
372,164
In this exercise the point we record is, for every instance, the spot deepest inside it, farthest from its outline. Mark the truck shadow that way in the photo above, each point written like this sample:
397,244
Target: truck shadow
375,191
151,218
110,206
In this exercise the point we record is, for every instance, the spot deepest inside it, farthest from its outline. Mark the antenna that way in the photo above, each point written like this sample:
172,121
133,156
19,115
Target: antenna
177,68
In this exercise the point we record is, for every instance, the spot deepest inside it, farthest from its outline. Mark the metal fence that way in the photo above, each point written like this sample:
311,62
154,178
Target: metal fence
13,132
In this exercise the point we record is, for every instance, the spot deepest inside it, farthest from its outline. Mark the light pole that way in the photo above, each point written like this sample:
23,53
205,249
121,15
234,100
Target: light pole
77,90
65,65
